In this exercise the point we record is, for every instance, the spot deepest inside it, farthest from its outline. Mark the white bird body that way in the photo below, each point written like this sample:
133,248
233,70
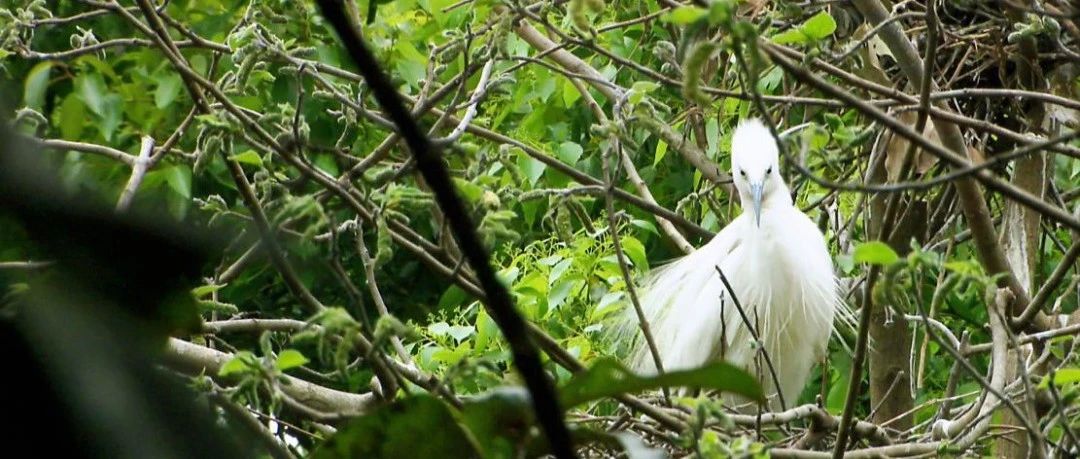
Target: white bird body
779,268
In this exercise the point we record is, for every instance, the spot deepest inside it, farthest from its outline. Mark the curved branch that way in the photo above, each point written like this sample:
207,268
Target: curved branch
196,360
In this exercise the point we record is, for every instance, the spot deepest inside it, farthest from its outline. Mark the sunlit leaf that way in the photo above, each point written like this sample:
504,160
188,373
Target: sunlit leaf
290,358
819,26
684,15
240,363
1062,377
249,157
635,250
875,253
37,81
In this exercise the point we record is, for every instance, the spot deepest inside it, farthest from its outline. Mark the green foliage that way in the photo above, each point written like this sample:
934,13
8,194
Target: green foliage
818,27
684,15
341,181
290,358
1062,378
37,81
875,253
607,378
420,426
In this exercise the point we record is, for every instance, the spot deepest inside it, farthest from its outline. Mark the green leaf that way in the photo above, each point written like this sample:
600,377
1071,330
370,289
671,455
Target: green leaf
845,262
645,86
259,76
712,137
240,363
37,82
964,267
570,94
290,358
179,179
168,87
420,426
211,119
558,270
790,37
327,164
608,378
645,225
570,152
460,332
92,89
875,253
684,15
495,420
531,167
819,26
635,250
248,157
608,303
203,290
509,275
112,113
72,117
211,307
439,328
771,80
640,90
412,65
469,190
453,296
1062,377
661,151
559,292
486,329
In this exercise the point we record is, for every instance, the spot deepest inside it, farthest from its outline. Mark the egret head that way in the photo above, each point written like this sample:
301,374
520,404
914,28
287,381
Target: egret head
755,166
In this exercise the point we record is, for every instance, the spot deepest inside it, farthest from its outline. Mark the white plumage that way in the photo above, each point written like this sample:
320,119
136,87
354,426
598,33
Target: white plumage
779,268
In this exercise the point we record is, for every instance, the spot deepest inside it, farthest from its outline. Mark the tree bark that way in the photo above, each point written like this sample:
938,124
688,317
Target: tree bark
1020,240
890,337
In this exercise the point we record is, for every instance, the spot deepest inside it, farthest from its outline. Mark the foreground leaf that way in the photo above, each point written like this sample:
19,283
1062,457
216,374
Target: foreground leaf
420,426
608,378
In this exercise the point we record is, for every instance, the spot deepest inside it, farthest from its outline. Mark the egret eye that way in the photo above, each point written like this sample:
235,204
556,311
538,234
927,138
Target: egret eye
768,171
743,172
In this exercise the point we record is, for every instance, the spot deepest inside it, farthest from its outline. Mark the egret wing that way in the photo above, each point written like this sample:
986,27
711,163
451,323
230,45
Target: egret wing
681,303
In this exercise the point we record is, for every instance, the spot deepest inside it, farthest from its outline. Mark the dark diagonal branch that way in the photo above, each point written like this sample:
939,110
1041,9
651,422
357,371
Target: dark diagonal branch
526,357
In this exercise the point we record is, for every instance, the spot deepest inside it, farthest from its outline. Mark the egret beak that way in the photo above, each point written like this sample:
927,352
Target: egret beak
755,192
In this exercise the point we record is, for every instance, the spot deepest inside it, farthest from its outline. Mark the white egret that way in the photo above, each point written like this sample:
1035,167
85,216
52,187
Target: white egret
778,266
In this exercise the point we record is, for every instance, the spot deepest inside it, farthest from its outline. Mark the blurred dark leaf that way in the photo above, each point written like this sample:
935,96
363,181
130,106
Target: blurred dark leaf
420,426
608,378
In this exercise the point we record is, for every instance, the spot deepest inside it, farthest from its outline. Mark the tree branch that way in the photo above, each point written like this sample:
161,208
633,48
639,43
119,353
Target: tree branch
526,358
195,360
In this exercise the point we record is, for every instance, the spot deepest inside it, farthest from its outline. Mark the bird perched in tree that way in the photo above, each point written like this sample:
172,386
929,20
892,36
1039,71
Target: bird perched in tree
781,274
